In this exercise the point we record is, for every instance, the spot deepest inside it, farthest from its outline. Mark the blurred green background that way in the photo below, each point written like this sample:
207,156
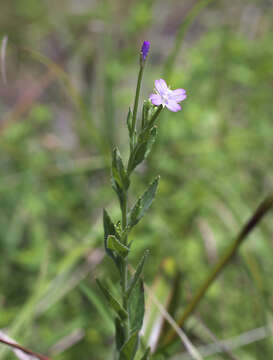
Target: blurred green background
71,69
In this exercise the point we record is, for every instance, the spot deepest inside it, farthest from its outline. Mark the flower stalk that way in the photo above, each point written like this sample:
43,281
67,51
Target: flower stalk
143,55
139,79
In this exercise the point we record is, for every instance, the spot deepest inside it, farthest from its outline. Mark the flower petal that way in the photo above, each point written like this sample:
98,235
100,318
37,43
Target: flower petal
161,86
173,106
155,99
178,95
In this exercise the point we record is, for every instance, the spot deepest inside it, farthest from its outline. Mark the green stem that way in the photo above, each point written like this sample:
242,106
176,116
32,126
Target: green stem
124,297
124,269
137,97
124,211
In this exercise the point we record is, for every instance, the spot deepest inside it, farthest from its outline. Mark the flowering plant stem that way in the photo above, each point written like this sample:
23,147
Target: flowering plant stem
130,307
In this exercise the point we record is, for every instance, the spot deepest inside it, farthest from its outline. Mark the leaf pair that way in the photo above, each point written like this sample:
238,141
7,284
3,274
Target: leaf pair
136,213
113,245
143,147
143,143
129,122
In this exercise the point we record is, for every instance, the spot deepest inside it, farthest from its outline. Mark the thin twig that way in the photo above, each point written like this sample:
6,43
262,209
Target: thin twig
25,350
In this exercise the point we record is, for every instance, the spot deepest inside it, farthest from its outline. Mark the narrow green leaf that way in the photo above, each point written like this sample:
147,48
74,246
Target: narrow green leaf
146,355
137,273
129,121
120,180
139,154
120,337
129,349
118,171
114,244
109,229
133,140
118,190
112,301
145,141
145,113
143,203
151,141
136,306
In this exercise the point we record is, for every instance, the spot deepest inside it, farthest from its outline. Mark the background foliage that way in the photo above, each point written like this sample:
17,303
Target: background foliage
71,70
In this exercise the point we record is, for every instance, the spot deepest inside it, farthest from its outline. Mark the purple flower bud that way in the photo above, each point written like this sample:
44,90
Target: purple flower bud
145,49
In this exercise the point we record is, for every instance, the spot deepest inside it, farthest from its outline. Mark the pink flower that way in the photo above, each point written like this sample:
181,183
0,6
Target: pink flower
167,97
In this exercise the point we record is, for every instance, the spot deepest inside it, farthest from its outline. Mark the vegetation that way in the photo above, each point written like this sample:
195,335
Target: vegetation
71,71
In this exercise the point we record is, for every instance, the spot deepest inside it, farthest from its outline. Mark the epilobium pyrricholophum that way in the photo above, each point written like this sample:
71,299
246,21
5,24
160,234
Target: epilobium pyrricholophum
129,309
